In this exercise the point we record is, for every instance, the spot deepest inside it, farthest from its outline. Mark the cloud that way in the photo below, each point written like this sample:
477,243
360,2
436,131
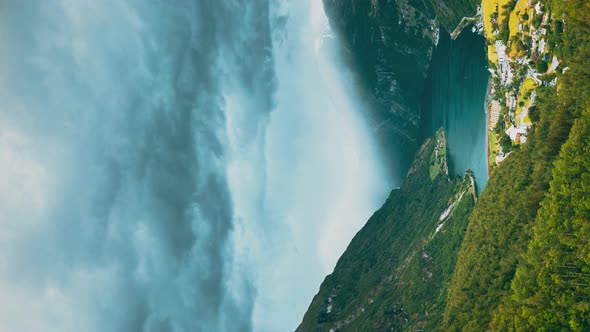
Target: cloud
196,167
112,136
308,180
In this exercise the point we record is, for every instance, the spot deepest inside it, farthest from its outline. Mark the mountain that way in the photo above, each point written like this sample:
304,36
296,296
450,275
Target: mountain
517,259
389,44
395,272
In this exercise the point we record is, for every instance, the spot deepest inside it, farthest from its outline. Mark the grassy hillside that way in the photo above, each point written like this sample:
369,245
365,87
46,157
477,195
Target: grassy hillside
394,273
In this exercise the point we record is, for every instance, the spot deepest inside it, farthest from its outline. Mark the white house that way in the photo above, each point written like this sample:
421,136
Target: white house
516,134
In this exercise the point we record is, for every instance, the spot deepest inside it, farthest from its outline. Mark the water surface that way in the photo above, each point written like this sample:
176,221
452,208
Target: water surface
454,99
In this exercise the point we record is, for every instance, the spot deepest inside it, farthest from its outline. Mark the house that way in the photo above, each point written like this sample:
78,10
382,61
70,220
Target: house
541,47
503,64
516,134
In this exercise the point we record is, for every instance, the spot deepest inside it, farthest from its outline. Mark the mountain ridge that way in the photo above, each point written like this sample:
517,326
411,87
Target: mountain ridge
406,250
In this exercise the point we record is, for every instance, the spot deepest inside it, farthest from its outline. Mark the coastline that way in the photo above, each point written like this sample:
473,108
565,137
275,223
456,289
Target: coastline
465,22
487,111
477,22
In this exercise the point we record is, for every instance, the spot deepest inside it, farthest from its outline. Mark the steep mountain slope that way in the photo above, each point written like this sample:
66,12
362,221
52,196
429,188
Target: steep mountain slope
394,273
389,45
499,228
550,291
511,262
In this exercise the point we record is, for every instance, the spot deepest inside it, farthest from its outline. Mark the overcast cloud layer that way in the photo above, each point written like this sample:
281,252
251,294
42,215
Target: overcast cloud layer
190,167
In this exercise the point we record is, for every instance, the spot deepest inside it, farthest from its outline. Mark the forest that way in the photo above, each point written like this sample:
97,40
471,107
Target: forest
525,260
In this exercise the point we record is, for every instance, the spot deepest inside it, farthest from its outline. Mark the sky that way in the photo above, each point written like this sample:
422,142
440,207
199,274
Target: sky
191,167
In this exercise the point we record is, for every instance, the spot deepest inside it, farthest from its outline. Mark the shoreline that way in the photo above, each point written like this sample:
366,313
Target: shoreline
465,22
487,111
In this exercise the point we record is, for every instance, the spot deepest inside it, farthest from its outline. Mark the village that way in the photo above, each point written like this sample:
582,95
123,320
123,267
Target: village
520,60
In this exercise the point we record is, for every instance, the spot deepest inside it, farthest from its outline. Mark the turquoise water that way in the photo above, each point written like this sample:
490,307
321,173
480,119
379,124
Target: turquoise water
454,100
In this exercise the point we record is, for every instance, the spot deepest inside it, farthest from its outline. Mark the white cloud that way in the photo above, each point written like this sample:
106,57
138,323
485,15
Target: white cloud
119,138
322,176
24,180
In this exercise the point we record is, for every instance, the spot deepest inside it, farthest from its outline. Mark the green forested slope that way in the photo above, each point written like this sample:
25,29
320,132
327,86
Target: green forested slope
499,228
551,288
509,235
394,273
